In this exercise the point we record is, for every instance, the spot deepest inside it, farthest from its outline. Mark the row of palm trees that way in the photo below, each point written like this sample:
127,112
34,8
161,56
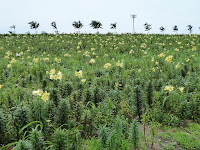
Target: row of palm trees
95,25
76,24
162,29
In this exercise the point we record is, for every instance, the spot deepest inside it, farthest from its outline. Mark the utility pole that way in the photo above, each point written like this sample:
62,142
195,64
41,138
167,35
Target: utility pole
133,16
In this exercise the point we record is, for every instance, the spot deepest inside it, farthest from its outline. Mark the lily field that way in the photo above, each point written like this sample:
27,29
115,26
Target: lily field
99,91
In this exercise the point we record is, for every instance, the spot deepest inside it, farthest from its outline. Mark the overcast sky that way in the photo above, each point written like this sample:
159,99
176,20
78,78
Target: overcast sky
165,13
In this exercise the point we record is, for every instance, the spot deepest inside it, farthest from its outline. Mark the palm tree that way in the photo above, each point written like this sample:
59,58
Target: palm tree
162,29
77,25
175,28
147,27
96,25
190,28
113,26
12,27
53,24
34,25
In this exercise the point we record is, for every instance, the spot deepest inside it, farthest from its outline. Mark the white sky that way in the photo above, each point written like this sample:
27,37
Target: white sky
165,13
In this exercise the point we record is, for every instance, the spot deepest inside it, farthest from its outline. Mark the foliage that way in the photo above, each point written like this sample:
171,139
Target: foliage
138,101
54,25
22,144
63,111
77,25
96,24
36,139
175,28
86,89
12,27
190,28
147,27
60,139
162,29
34,25
113,25
134,133
103,136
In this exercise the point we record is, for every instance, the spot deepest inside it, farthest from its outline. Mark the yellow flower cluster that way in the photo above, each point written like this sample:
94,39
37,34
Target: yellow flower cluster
67,55
169,88
9,65
46,59
83,80
53,71
19,54
79,74
187,59
13,61
92,49
8,53
45,96
54,76
58,60
153,69
161,55
38,92
1,86
107,65
194,48
176,49
36,60
131,52
181,89
143,45
6,57
120,64
106,55
92,61
80,43
87,54
169,59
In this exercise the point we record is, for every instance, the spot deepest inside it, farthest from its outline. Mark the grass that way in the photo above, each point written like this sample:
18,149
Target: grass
180,137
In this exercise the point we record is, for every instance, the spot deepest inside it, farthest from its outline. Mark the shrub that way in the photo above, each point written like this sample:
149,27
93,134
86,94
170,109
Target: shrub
138,101
103,136
134,133
36,139
60,139
23,145
63,111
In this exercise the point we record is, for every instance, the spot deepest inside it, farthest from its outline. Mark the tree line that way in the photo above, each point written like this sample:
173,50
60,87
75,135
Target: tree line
95,25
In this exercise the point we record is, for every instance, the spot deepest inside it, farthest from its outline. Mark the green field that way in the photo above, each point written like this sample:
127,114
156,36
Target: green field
95,91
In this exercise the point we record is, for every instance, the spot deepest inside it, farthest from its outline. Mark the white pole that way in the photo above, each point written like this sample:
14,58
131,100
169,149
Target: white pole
133,27
133,16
